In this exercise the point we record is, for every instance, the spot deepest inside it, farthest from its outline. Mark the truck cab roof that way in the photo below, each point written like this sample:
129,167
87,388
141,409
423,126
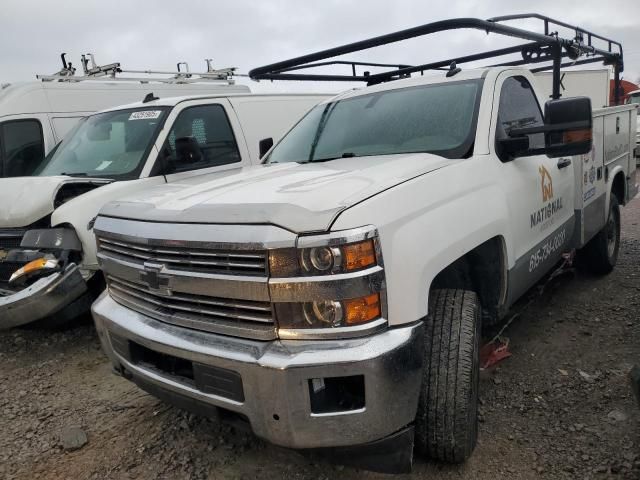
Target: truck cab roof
173,101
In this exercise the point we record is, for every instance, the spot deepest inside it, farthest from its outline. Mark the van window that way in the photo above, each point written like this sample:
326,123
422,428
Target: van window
201,137
519,108
21,147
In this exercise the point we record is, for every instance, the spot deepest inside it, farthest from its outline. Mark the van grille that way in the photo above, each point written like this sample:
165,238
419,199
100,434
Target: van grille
231,262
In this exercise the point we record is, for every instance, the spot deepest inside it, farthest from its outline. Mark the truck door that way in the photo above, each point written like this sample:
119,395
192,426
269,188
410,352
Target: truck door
539,189
203,138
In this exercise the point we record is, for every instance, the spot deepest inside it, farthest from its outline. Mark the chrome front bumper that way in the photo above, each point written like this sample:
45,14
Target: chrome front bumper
45,297
276,376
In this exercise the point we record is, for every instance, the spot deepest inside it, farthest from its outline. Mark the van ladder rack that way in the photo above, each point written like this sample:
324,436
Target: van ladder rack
95,72
540,47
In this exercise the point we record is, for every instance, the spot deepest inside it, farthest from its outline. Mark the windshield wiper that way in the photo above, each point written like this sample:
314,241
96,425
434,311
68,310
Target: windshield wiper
77,174
344,155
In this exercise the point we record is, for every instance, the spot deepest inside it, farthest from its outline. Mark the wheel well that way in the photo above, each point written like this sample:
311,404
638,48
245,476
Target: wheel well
480,270
618,188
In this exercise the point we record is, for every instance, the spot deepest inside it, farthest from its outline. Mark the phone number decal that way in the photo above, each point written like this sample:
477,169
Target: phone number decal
546,250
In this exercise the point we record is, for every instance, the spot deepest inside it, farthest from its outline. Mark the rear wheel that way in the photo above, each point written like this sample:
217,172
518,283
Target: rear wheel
600,255
446,422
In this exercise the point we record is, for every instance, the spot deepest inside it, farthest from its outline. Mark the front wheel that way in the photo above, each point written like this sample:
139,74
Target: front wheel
600,255
446,422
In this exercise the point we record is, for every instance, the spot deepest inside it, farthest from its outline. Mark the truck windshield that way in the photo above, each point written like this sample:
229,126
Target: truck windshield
438,119
635,99
106,145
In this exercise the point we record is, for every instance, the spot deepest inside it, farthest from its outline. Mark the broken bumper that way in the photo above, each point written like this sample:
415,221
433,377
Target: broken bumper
271,383
43,298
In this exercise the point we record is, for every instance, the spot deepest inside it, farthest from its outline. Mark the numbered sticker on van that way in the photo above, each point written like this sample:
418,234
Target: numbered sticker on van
145,115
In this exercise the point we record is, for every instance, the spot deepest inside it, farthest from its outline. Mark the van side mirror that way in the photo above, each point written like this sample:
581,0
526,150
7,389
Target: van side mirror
569,127
264,145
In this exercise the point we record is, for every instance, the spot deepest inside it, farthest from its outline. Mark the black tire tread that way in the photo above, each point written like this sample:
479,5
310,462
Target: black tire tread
446,422
594,254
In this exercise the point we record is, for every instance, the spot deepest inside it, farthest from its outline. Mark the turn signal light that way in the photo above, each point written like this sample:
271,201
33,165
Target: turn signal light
34,266
362,310
359,255
574,136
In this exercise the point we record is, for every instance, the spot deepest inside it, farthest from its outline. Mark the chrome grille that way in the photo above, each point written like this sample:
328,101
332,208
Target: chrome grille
187,258
243,318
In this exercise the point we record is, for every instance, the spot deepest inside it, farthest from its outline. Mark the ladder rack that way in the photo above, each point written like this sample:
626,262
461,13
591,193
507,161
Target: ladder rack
540,47
113,71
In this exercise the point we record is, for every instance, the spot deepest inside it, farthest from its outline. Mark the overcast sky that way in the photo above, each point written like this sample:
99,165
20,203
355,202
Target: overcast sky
156,34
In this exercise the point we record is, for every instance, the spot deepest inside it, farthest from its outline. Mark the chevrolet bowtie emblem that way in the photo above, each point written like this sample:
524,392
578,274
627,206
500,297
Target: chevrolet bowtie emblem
154,279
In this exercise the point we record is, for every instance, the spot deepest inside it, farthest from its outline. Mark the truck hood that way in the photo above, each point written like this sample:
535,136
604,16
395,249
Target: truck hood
25,200
298,197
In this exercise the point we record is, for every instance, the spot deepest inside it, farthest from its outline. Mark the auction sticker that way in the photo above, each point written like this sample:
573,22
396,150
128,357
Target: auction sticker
145,115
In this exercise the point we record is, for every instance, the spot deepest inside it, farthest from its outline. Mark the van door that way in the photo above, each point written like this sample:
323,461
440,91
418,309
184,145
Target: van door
22,147
203,138
539,189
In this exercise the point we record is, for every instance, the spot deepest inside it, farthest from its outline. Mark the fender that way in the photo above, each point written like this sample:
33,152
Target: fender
429,222
616,170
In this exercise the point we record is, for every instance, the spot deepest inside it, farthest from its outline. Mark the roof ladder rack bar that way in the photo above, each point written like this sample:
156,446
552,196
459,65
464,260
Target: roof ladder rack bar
95,72
553,44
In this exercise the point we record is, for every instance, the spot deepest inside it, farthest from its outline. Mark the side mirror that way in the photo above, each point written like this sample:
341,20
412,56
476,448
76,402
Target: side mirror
100,132
188,150
568,127
264,145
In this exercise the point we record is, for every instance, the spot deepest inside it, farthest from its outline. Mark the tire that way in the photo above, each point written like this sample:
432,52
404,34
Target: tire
446,422
600,255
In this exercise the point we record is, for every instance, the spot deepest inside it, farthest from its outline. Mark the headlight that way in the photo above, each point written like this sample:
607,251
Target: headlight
339,259
330,286
330,314
329,254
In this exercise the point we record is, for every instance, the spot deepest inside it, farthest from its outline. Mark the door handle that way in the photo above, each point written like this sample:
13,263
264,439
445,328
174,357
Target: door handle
564,162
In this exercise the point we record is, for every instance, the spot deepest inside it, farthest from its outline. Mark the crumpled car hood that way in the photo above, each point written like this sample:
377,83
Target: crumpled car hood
298,197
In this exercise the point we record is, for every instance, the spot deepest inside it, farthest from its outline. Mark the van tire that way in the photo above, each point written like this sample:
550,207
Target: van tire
600,254
446,422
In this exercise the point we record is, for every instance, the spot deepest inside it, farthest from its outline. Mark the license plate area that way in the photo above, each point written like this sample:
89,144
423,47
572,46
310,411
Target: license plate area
205,378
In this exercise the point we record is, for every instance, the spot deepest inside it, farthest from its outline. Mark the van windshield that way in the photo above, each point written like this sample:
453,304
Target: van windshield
106,145
635,99
437,118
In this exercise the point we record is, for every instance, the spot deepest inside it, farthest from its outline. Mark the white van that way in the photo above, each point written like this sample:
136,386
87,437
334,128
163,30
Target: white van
36,115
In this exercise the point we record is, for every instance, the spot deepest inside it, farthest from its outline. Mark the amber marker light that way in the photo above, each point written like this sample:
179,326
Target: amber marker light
362,310
574,136
359,255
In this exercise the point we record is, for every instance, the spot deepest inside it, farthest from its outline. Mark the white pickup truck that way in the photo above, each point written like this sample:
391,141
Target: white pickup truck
48,267
333,297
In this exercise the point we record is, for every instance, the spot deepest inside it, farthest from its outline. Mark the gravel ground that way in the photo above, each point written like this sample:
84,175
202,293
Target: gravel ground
560,407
